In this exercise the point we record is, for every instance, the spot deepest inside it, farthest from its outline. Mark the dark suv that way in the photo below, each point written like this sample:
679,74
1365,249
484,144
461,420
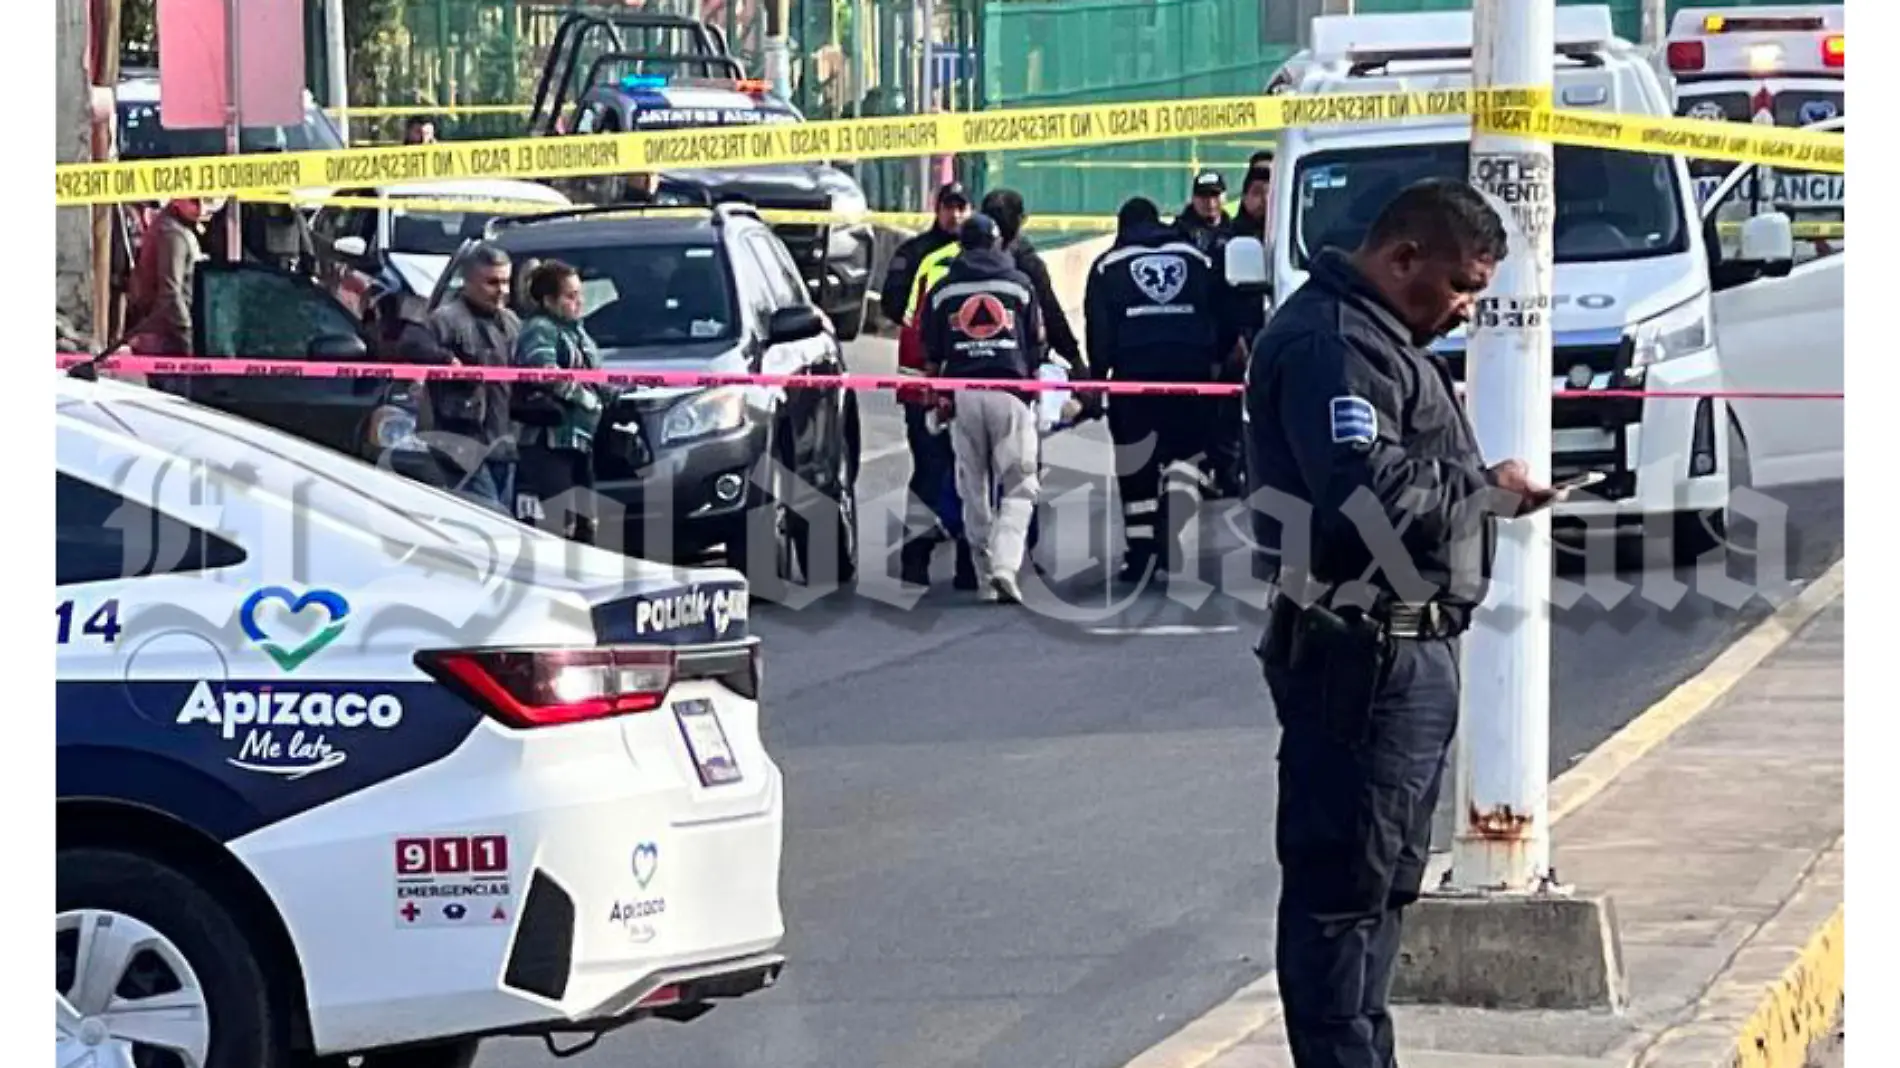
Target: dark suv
707,289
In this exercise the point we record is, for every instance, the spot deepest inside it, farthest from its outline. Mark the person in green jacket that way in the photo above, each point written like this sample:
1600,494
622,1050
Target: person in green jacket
557,420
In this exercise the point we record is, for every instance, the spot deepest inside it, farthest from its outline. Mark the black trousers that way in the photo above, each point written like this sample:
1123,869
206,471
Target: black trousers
932,483
1353,833
563,481
1157,440
1226,459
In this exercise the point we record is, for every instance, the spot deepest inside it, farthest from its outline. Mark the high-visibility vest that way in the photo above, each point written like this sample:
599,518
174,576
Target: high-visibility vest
930,270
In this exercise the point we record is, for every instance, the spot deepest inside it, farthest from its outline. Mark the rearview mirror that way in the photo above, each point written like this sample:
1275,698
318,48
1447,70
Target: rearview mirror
1246,266
1768,240
794,324
354,247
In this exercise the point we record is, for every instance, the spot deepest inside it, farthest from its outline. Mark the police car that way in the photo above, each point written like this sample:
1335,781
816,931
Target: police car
1777,66
346,765
1632,308
833,258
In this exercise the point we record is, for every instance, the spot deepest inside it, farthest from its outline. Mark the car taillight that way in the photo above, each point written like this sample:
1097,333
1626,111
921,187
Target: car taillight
1834,51
548,687
1686,55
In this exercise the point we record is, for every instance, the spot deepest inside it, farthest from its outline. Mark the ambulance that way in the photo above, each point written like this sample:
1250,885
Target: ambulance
1640,283
1776,66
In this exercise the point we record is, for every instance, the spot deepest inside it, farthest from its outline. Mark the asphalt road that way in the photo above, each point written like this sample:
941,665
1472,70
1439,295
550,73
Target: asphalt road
1013,840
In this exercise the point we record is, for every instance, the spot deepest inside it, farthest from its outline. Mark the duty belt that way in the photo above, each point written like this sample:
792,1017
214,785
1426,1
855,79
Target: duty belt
1433,619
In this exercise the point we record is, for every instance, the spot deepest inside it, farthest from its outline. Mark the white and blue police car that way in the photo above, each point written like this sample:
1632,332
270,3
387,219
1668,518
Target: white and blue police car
349,766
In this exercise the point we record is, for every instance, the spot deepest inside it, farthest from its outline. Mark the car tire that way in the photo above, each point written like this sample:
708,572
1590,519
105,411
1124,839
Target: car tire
842,521
1699,533
189,945
850,323
765,521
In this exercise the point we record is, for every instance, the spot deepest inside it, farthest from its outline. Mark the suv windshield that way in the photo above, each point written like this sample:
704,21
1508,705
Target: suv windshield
1610,205
437,233
141,136
649,296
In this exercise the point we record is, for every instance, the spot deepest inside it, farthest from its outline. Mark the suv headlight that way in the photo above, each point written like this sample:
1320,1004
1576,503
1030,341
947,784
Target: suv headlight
1680,331
718,409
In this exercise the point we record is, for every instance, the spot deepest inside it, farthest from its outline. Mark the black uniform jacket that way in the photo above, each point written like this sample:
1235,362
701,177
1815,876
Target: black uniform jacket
1348,413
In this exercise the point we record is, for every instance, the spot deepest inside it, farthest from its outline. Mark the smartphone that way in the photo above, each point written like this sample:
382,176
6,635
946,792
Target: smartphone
1583,481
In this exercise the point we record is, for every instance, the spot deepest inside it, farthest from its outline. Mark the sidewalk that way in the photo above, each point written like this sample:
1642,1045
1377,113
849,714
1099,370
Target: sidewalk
1724,851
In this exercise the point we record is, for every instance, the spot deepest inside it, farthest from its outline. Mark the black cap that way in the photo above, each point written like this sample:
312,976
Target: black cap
1209,182
952,193
979,231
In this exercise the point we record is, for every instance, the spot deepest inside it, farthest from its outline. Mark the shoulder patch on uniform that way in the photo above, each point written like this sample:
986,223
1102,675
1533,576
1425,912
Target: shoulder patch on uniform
1355,421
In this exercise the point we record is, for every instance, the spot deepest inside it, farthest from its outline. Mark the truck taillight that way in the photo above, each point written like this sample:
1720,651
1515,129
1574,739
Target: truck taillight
1834,51
1686,55
548,687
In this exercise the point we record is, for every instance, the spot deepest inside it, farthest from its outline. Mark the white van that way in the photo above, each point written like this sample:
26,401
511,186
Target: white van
1633,299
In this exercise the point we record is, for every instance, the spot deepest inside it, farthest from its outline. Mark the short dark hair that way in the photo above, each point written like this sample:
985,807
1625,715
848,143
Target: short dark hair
1137,211
488,254
1445,217
1006,207
547,279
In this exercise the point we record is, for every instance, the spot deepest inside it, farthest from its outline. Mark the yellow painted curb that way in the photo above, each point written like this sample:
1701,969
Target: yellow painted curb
1797,1011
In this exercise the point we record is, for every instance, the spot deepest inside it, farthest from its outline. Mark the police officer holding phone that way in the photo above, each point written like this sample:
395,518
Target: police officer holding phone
1378,570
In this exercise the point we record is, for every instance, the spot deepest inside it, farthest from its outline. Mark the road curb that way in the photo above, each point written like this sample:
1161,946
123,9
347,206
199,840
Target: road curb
1256,1006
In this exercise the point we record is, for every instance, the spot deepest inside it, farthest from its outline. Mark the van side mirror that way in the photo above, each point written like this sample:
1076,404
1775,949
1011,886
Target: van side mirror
1768,240
794,324
1246,266
353,246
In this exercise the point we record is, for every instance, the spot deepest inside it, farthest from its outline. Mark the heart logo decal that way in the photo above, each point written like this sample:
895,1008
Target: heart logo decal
287,651
646,861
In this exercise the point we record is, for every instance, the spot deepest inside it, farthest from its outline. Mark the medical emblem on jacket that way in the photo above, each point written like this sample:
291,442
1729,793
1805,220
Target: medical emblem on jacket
1160,277
981,317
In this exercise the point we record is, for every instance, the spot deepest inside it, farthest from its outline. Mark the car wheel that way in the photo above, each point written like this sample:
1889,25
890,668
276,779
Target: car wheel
842,521
1699,533
850,323
148,961
760,542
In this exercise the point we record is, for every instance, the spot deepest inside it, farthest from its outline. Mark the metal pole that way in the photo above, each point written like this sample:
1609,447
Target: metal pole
1655,23
1503,839
337,57
778,48
927,92
234,239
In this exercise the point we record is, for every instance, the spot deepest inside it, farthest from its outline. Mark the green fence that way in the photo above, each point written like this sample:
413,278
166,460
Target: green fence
1097,51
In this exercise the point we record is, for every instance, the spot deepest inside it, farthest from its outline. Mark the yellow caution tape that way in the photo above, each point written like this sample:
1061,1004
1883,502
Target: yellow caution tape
577,155
894,219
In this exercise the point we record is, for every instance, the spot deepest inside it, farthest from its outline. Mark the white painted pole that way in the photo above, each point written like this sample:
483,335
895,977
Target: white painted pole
1503,838
1655,23
338,59
927,95
233,124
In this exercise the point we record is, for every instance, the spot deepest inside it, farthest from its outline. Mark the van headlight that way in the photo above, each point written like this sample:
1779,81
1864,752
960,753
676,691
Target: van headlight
1680,331
716,410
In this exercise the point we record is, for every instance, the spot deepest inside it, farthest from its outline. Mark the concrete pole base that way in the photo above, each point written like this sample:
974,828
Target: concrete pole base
1512,951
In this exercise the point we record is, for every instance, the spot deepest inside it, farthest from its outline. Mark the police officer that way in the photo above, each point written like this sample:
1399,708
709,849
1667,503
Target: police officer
1204,220
1377,569
1156,312
982,321
930,516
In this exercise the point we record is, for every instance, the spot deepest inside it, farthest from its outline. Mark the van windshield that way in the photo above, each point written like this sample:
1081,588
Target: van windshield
1610,205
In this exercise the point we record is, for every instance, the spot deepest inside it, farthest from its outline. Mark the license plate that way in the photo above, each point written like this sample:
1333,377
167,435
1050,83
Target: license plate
706,741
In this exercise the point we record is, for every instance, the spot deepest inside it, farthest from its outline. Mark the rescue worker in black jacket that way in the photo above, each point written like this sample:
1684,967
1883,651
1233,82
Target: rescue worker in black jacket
1377,567
1204,220
1157,311
981,321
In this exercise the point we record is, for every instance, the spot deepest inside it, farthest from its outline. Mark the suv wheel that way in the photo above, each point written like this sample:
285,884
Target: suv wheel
849,324
760,541
842,524
148,962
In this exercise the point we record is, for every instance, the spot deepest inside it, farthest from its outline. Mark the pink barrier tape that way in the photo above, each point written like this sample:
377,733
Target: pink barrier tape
248,368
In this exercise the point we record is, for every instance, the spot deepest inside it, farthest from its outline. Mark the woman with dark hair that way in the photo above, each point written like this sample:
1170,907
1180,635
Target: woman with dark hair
557,419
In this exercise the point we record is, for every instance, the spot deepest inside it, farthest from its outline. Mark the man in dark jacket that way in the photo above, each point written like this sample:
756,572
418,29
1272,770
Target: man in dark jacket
158,304
476,327
1157,311
1350,413
1204,221
927,522
982,321
1226,463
